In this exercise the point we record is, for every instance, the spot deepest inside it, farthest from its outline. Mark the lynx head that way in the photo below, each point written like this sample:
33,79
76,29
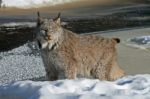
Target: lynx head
49,32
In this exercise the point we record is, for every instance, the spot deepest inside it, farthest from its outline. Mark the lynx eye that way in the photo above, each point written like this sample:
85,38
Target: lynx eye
46,30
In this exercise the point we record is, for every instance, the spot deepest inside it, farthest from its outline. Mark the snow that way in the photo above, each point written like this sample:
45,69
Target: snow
142,42
33,3
13,24
22,24
21,63
129,87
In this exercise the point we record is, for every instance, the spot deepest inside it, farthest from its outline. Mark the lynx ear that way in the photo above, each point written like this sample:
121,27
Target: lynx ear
38,13
57,19
39,19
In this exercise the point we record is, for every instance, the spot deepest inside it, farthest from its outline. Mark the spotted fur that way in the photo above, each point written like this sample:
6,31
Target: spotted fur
67,54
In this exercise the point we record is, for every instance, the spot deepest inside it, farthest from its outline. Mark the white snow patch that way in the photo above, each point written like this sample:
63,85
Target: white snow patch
142,42
20,63
33,3
129,87
13,24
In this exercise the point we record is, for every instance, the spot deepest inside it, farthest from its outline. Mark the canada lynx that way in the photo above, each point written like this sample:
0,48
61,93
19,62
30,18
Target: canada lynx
67,54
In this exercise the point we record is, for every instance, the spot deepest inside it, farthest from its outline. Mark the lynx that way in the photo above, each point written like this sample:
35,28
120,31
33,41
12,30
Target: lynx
67,54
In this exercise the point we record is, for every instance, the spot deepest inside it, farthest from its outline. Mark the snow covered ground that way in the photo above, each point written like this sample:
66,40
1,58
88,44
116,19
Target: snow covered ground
21,63
129,87
142,42
33,3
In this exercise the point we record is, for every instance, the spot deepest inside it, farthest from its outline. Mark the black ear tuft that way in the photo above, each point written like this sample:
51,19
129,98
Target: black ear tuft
59,14
57,19
38,13
38,19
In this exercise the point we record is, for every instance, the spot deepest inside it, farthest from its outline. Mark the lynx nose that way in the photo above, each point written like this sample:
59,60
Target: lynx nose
48,37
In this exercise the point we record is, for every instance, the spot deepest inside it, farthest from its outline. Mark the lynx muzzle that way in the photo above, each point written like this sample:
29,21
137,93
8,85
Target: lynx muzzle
42,44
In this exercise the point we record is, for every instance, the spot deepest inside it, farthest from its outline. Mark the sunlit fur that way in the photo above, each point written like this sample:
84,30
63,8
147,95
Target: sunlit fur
67,54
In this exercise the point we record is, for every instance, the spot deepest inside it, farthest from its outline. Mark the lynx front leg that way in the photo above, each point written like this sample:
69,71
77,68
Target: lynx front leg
71,70
51,76
51,73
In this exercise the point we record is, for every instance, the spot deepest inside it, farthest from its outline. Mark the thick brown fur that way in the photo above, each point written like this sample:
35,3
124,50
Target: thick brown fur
68,54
